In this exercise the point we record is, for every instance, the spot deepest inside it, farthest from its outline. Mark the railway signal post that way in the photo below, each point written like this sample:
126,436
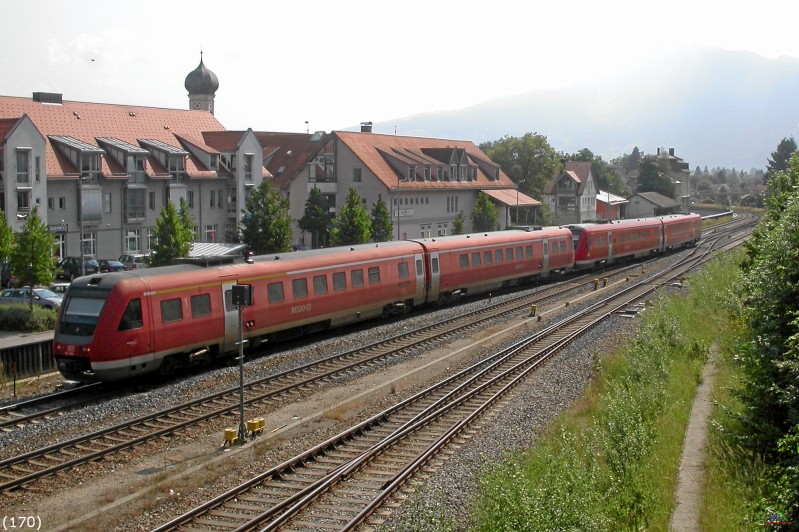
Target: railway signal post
242,297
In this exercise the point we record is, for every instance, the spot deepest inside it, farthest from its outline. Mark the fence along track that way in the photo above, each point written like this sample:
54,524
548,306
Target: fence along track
338,484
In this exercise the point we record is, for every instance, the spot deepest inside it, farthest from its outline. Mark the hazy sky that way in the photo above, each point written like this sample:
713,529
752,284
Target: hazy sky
336,63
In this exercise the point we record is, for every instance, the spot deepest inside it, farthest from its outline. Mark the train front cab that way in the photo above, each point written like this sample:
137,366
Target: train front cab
99,340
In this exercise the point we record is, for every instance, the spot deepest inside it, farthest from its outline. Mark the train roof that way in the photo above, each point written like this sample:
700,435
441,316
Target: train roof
491,238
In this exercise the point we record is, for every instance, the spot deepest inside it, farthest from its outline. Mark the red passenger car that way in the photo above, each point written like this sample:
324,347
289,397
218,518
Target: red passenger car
599,244
481,262
120,325
681,230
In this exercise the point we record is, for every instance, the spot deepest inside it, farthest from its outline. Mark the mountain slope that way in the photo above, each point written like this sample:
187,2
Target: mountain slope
715,107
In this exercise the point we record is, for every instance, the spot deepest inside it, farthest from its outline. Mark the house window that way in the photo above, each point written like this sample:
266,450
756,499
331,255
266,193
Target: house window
89,166
62,202
38,168
151,200
356,175
214,162
427,173
107,202
133,239
23,168
50,203
190,198
134,203
211,233
23,200
411,173
248,158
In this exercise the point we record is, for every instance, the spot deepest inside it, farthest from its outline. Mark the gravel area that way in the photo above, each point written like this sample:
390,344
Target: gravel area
141,489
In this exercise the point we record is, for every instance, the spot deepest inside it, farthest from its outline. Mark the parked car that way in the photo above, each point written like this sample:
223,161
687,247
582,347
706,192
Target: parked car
134,261
110,265
41,296
59,288
69,268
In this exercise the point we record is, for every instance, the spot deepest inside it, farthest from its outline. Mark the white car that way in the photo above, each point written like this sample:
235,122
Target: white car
133,262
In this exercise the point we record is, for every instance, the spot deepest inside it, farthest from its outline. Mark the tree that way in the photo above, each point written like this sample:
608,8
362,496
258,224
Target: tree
187,223
778,161
484,216
352,222
170,237
266,225
529,161
382,228
32,257
6,239
652,179
316,218
458,223
769,352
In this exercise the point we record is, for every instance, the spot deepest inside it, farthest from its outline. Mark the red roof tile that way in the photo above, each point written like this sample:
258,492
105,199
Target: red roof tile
368,146
86,121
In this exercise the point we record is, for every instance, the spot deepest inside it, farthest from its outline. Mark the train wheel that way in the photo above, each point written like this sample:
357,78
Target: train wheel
168,367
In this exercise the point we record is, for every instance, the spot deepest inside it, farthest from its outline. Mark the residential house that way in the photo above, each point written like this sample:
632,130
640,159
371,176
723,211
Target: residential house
648,204
572,194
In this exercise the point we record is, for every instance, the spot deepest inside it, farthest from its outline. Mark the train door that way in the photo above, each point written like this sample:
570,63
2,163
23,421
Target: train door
232,325
434,277
421,287
610,247
545,260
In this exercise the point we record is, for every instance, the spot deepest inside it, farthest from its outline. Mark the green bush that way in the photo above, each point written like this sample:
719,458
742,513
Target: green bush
20,318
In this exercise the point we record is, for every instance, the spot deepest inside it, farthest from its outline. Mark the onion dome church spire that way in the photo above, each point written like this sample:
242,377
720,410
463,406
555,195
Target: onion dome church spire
202,85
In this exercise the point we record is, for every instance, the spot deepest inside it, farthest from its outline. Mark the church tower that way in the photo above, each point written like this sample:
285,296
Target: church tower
202,85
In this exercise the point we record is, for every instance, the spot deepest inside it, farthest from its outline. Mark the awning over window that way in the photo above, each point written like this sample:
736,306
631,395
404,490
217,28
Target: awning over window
511,198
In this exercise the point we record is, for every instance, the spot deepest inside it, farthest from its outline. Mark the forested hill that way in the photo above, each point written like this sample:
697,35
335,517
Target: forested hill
715,107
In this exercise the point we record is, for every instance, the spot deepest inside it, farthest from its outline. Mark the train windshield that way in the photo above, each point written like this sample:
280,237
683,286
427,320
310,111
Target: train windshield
81,310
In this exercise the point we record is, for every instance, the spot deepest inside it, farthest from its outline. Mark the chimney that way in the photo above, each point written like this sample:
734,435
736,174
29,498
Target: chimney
671,152
366,127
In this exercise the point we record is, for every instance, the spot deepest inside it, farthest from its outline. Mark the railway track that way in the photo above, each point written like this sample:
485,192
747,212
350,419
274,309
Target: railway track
24,469
16,415
340,483
20,470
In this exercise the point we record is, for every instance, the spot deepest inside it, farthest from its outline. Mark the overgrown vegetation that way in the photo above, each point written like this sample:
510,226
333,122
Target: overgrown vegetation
23,318
612,463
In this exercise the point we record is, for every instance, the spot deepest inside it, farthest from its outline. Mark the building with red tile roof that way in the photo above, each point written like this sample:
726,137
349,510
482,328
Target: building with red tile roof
425,182
99,174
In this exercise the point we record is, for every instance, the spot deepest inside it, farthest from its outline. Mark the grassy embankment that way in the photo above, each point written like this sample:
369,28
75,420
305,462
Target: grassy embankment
611,462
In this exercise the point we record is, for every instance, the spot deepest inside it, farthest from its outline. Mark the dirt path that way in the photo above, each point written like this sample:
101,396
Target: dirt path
688,495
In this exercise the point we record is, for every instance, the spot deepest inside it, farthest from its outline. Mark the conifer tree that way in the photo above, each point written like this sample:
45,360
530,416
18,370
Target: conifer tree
382,227
266,225
352,222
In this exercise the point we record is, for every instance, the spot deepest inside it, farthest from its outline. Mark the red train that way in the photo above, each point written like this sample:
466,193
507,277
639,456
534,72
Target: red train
120,325
600,244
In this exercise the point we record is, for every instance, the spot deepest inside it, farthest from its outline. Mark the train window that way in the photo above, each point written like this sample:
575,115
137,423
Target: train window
464,260
498,256
402,268
434,266
132,318
528,251
509,254
475,260
519,253
274,292
563,246
374,275
320,284
299,288
339,281
419,267
356,278
200,305
487,257
171,310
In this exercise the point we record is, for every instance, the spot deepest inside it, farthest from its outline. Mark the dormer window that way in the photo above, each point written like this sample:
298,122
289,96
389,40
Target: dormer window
248,160
89,166
427,173
411,173
177,167
214,163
